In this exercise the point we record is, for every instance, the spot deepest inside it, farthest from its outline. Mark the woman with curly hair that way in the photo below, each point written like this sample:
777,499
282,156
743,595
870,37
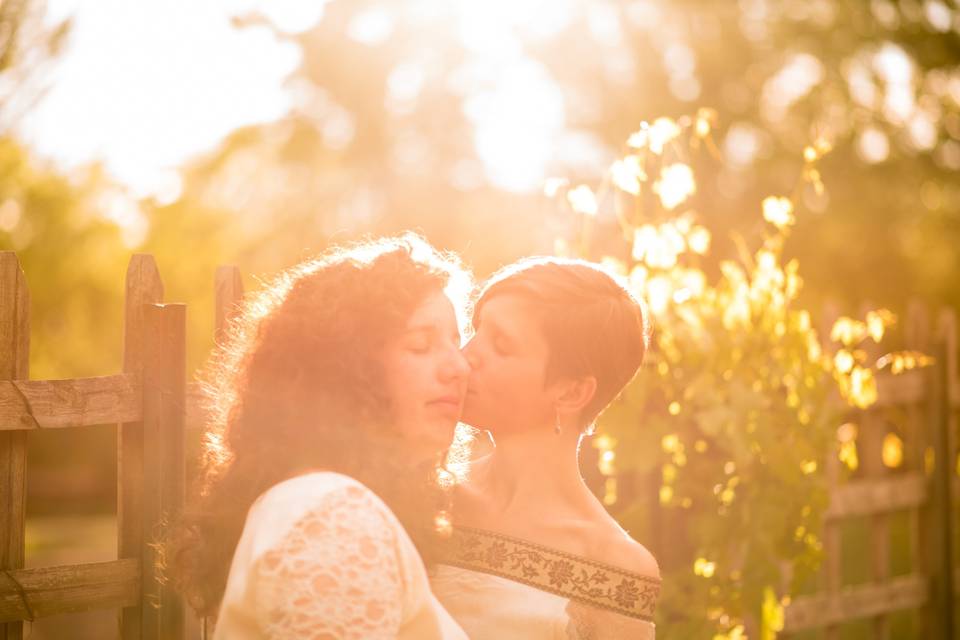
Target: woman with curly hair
320,497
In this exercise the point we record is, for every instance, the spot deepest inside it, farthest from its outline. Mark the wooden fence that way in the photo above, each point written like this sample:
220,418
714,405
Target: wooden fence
922,405
151,403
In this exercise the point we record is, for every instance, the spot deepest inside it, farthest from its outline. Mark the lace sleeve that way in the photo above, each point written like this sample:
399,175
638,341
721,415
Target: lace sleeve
335,575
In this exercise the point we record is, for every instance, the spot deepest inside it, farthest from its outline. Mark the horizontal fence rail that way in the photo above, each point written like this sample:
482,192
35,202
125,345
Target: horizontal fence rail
870,497
856,603
29,594
61,404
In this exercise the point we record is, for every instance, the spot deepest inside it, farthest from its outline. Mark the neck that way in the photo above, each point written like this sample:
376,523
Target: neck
535,471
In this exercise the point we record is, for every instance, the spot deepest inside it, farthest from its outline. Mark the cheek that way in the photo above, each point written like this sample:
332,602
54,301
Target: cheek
514,378
512,399
410,376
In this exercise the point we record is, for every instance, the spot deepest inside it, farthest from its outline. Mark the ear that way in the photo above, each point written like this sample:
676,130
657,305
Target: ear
575,393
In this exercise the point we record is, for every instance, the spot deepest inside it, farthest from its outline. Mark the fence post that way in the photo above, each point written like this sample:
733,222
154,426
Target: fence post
873,431
944,422
14,365
917,336
143,286
830,573
164,469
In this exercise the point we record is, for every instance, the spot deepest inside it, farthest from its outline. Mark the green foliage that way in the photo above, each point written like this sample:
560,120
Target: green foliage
737,407
28,45
74,260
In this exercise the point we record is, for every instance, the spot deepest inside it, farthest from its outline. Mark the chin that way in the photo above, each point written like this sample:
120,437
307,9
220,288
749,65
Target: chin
473,417
441,435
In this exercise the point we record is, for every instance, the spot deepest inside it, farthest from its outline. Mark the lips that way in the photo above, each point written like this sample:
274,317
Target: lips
446,401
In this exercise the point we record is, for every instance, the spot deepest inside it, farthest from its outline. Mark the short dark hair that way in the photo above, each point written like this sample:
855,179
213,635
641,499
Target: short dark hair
593,324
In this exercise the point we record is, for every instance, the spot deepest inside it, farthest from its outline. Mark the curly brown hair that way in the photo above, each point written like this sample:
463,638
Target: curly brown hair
297,386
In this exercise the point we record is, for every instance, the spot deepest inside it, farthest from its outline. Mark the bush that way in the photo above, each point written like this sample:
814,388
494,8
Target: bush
737,406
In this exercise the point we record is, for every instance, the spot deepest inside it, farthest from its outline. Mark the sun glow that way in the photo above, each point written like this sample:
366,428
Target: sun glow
516,106
143,90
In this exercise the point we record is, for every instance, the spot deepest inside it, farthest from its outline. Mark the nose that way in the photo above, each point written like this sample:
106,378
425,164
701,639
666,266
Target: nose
456,366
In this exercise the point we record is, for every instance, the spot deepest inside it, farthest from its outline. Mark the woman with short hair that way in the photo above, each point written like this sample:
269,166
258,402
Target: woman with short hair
534,554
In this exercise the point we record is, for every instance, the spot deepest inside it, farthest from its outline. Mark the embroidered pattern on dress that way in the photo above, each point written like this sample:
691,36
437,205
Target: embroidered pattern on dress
335,574
564,574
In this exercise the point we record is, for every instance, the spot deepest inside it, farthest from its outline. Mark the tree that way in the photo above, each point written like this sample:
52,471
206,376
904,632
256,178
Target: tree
27,47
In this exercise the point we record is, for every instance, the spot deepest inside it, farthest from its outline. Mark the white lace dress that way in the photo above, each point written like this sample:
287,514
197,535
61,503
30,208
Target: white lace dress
322,557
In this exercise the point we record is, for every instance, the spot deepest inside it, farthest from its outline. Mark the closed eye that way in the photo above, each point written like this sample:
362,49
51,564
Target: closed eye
418,341
420,347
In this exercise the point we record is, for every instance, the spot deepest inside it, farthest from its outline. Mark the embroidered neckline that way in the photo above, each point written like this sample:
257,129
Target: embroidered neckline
593,583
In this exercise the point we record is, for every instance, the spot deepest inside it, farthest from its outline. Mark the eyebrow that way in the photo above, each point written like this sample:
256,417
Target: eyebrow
428,329
498,330
421,328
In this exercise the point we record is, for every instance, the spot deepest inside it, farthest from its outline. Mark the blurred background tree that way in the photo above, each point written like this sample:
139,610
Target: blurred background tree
398,106
447,117
716,454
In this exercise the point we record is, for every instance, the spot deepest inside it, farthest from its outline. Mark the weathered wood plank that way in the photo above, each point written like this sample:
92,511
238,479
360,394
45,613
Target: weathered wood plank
855,603
77,402
830,577
870,497
143,286
947,327
14,319
14,365
831,571
36,593
917,337
873,431
164,383
909,387
944,472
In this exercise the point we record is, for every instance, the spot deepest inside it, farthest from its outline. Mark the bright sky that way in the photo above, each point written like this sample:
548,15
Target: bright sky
147,84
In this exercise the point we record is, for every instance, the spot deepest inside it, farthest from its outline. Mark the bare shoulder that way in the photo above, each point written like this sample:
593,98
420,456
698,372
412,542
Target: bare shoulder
635,557
617,548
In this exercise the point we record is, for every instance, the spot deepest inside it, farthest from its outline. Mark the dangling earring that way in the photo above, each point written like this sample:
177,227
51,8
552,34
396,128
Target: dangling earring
556,425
